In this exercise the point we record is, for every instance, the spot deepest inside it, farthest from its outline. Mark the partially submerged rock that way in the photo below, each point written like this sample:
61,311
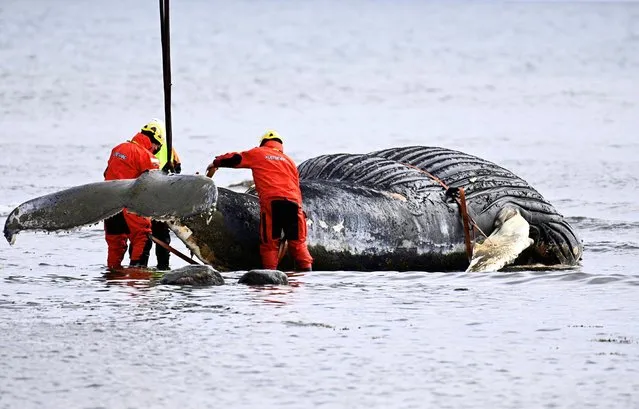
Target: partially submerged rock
199,275
264,277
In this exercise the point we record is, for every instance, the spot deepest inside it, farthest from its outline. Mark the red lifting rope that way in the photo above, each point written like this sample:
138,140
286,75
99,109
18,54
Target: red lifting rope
463,209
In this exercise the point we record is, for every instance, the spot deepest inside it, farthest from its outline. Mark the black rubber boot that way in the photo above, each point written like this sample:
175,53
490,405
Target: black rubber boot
160,230
143,261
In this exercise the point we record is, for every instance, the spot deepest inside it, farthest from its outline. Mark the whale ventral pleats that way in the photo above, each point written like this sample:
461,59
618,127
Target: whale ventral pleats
370,171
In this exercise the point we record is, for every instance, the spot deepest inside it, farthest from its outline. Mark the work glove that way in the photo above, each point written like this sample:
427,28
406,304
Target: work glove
211,169
167,168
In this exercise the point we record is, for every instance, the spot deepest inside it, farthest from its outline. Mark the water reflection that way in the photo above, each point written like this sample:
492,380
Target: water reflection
141,278
279,291
132,277
293,276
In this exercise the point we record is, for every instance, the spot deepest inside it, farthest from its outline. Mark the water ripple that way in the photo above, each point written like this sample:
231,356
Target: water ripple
596,224
605,246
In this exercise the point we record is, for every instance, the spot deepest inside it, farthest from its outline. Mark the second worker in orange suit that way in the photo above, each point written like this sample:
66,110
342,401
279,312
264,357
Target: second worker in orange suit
277,183
129,160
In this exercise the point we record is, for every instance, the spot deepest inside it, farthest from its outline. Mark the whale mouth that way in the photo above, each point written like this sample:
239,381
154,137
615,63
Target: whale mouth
556,243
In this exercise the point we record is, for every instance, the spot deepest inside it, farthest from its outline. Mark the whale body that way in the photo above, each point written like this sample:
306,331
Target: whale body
384,210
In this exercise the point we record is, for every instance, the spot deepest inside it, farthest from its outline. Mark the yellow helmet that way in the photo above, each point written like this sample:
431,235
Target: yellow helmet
270,134
154,130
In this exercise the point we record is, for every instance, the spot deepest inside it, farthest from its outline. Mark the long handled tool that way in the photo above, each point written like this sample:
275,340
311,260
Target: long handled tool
173,250
281,252
165,37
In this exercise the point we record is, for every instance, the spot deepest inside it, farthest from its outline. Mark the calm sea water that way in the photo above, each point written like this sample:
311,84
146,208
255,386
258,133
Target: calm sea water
548,90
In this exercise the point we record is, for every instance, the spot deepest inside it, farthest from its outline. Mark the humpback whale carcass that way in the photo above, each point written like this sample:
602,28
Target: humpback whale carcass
385,210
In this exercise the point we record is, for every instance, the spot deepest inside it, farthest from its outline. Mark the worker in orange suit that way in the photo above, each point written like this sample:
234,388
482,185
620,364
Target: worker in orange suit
129,160
277,183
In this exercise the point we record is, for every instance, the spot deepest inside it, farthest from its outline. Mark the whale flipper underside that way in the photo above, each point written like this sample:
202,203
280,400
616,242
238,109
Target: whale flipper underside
153,194
507,241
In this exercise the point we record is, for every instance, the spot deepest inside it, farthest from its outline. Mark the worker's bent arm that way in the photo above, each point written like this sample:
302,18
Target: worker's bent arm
228,160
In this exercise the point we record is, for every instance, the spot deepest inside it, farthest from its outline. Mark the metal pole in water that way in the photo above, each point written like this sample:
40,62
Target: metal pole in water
165,37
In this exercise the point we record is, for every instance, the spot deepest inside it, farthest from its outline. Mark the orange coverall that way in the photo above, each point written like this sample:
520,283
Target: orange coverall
129,160
277,184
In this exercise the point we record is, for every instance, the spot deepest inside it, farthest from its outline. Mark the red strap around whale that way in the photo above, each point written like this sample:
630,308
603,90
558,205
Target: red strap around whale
463,209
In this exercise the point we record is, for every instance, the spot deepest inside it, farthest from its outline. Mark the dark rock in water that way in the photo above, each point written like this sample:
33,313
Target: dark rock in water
193,275
264,277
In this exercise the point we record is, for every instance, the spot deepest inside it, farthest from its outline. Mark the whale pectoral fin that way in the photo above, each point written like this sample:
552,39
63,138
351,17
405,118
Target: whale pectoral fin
66,209
153,194
504,245
166,197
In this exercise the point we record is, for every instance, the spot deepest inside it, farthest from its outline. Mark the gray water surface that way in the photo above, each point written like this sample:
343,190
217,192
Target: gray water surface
548,90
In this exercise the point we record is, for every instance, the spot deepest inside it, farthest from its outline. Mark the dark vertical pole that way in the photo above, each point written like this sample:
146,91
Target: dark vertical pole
165,37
